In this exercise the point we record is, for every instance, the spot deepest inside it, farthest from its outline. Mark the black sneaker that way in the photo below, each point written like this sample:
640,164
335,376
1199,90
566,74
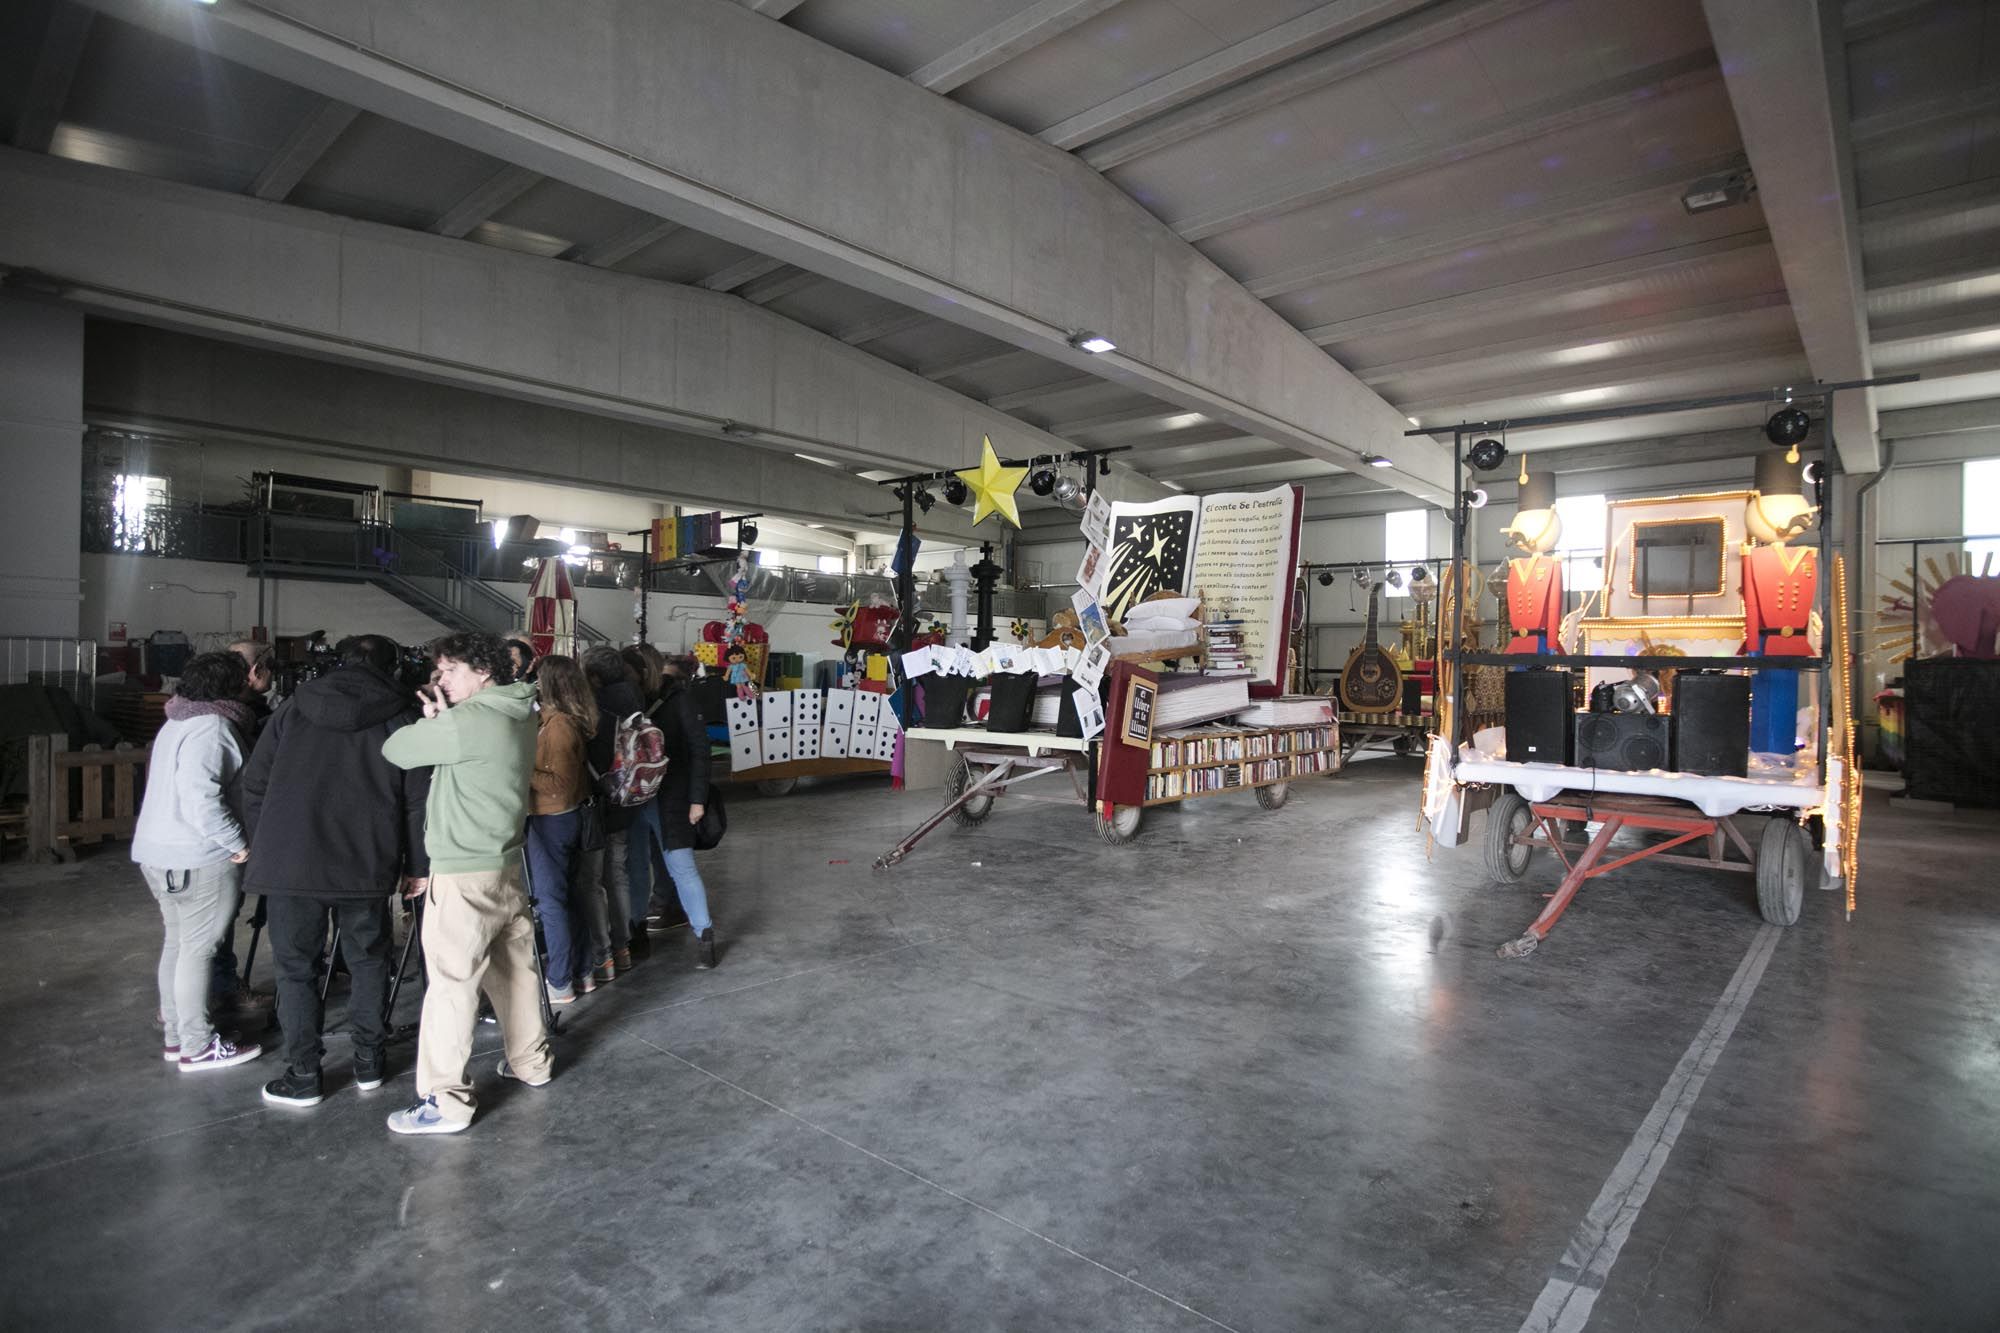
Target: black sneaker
641,943
704,954
294,1089
368,1070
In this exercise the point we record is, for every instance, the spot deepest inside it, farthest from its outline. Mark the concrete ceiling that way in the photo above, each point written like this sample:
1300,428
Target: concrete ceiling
1473,205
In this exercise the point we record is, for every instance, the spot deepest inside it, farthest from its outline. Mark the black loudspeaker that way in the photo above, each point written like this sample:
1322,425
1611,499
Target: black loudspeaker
1711,723
1627,742
1413,695
1538,717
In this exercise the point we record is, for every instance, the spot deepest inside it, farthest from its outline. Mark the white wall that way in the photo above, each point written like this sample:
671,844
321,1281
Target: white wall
41,422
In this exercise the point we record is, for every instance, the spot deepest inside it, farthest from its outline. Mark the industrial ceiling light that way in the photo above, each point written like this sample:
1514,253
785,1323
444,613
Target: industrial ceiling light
1376,460
1719,191
1487,454
955,490
1094,343
1042,480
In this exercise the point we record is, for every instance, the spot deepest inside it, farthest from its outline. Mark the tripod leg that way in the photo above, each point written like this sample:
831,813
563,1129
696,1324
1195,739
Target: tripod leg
410,934
257,920
326,964
550,1023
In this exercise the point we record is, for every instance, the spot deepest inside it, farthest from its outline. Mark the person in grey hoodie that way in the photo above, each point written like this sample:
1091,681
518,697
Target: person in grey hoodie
190,846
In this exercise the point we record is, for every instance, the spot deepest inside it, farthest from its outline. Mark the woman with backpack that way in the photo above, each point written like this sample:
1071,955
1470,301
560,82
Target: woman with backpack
562,792
605,885
682,801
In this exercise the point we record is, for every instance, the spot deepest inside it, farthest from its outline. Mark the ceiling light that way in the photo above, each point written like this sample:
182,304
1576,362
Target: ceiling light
1376,460
737,428
1094,343
823,462
1414,422
1721,191
1173,485
1476,498
816,525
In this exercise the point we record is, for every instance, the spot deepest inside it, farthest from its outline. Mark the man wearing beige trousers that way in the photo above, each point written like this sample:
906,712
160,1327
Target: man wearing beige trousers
477,736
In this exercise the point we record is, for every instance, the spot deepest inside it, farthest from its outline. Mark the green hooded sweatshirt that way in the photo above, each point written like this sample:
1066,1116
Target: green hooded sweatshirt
482,753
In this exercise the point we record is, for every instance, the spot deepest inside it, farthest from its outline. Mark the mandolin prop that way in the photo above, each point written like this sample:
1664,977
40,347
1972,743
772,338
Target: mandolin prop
1371,682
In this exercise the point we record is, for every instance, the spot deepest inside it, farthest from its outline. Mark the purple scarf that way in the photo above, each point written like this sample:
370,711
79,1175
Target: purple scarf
232,711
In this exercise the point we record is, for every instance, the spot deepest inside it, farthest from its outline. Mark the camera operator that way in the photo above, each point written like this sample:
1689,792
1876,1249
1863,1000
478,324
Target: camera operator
334,828
479,733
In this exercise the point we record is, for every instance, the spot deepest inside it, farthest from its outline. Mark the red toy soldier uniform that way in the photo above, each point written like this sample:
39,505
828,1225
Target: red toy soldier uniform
1780,593
1535,581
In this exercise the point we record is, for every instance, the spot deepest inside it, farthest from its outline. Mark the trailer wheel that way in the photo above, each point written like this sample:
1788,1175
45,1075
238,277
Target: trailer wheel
1273,796
1507,819
1401,745
776,786
974,811
1784,857
1122,827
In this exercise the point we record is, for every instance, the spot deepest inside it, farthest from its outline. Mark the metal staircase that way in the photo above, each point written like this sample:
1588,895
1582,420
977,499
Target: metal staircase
414,572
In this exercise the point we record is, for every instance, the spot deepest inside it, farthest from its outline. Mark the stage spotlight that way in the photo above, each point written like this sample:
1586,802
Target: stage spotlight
1419,573
955,491
1487,454
925,499
1393,577
1042,481
1067,488
1476,498
746,533
1787,426
1326,578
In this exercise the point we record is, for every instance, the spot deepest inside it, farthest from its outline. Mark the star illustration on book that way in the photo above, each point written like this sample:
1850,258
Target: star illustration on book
1149,554
993,486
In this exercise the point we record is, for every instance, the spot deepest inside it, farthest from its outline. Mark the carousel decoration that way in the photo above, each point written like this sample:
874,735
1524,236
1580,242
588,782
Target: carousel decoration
1960,610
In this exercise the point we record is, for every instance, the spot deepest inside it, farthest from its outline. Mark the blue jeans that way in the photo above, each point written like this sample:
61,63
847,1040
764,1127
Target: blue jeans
687,882
552,843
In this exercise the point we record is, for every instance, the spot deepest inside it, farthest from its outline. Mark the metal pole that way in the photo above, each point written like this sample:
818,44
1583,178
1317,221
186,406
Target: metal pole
1460,516
1828,536
906,576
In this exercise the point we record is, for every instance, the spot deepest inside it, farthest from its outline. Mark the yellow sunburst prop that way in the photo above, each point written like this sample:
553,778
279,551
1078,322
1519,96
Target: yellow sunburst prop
993,486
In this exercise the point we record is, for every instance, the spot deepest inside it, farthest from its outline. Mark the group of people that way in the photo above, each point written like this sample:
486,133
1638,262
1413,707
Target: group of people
483,798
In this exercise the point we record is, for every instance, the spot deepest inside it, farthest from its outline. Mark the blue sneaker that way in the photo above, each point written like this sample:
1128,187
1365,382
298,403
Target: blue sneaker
425,1118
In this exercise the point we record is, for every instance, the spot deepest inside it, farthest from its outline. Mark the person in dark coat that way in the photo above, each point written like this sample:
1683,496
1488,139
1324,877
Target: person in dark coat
605,886
335,828
682,800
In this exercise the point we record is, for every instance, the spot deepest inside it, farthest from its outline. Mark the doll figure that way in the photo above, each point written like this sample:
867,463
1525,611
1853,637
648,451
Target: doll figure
739,671
1780,594
1534,579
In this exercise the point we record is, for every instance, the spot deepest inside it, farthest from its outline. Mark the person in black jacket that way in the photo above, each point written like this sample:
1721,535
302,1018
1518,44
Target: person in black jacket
334,828
605,886
682,799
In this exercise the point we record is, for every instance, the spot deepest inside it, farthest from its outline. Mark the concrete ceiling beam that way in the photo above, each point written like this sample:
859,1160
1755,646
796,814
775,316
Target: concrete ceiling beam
497,191
308,143
1785,65
56,63
828,163
1011,37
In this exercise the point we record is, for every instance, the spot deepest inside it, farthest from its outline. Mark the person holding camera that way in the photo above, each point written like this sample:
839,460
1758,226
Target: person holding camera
190,845
478,737
334,828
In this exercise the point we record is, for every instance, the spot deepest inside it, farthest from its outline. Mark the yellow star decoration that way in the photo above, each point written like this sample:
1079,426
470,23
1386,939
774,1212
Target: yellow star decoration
993,486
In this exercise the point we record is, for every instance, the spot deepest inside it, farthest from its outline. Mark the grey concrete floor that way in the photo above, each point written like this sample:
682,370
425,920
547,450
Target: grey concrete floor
1256,1071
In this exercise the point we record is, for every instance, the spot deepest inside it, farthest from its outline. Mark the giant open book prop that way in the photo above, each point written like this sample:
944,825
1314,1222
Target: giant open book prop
1238,550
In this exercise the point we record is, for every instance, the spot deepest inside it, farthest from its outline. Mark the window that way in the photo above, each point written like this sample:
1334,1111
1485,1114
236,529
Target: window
1980,512
1406,541
135,522
1581,546
833,564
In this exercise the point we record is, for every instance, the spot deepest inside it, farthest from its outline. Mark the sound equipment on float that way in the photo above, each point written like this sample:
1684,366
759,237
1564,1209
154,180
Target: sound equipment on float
1538,717
1711,723
1413,697
1371,682
1625,742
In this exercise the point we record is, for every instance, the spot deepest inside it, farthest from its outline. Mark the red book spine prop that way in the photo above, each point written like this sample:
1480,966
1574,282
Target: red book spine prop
1780,590
1535,604
1122,766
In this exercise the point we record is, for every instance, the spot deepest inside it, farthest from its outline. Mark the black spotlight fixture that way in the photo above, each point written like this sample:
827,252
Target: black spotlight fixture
1815,479
1042,481
1103,466
1487,454
1326,578
1787,427
746,533
955,491
925,499
1475,498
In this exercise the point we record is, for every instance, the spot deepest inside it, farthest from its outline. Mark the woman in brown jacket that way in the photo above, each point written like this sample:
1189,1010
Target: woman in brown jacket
560,787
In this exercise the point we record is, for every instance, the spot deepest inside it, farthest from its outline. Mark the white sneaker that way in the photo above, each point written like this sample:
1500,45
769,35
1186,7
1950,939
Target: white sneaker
221,1054
506,1070
425,1118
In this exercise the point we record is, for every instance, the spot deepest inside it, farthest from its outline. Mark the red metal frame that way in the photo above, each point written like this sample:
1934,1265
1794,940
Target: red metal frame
1614,813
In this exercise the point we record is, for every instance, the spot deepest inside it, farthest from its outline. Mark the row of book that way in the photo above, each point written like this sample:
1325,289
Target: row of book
1215,745
1192,781
1287,766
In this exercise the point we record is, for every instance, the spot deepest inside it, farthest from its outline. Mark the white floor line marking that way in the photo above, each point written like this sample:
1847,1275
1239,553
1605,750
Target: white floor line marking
945,1190
1565,1303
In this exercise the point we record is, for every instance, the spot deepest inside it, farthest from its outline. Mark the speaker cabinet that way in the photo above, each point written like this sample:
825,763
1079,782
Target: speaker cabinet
1711,723
1538,717
1627,742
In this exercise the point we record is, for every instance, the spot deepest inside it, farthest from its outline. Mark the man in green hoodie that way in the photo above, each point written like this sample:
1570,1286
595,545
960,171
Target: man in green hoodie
477,736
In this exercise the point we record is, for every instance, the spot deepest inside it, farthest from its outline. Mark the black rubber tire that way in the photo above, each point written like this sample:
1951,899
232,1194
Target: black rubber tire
974,811
776,786
1508,817
1122,827
1401,745
1784,870
1273,796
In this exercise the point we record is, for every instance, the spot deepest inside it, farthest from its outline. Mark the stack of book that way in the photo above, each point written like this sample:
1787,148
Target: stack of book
1225,646
1289,710
1186,698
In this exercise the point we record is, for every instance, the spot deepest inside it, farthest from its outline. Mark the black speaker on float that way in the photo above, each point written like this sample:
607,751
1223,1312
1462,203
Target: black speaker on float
1538,717
1711,723
1627,742
1413,695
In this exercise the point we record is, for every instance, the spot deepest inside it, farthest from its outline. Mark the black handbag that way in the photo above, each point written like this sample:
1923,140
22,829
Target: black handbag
590,826
714,822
